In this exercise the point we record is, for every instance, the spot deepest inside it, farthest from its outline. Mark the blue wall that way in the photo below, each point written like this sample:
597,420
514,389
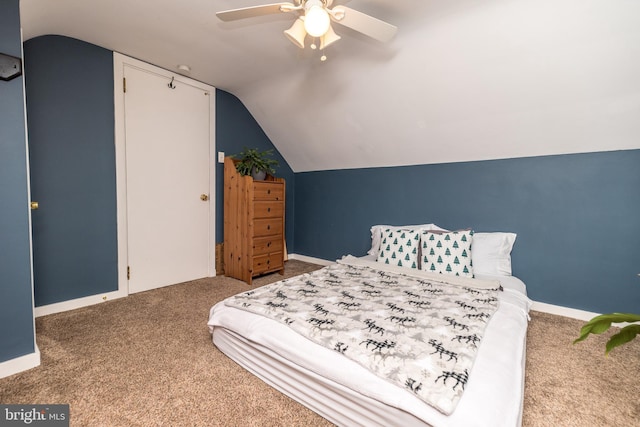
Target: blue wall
16,306
69,88
235,129
577,217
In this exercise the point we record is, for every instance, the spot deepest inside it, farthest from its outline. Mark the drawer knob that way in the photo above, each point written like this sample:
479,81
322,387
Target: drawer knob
268,209
268,191
269,227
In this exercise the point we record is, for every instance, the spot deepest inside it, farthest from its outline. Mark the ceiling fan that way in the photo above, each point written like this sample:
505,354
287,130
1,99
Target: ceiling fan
314,20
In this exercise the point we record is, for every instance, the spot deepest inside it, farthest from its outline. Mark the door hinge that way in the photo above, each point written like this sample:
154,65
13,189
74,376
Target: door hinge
128,272
124,84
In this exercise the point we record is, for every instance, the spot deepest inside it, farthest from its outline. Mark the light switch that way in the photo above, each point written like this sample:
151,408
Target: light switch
220,156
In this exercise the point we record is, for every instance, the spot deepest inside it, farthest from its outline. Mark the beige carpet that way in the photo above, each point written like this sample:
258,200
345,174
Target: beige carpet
148,360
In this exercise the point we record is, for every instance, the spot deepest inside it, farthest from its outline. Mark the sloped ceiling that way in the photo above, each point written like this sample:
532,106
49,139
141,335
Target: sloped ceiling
463,80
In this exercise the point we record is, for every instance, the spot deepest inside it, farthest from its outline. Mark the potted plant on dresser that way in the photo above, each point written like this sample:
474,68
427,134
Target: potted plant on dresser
255,163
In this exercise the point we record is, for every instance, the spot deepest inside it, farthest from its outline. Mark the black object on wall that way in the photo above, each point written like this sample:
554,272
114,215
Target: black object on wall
16,305
10,67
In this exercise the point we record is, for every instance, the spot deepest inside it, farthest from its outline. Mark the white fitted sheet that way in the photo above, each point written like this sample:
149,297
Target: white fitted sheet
347,394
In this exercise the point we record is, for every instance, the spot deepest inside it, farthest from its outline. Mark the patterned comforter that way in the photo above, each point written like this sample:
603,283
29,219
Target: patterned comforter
420,332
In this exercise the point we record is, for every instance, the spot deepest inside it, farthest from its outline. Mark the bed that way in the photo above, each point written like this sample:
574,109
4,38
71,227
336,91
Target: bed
262,330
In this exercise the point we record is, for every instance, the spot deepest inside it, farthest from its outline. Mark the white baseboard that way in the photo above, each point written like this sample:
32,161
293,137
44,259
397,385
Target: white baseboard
311,260
563,311
77,303
19,364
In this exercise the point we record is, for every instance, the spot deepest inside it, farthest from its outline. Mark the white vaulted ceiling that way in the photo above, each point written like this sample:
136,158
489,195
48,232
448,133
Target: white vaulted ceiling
463,80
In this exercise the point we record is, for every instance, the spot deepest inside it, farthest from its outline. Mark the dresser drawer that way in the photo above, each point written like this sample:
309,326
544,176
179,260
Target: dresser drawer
268,190
267,227
268,209
268,262
265,245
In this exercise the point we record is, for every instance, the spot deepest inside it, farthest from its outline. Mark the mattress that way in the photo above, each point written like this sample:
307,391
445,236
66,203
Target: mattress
345,393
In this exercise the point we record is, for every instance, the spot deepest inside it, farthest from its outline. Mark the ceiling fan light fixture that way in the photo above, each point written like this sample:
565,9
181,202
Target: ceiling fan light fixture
316,21
313,18
328,38
297,33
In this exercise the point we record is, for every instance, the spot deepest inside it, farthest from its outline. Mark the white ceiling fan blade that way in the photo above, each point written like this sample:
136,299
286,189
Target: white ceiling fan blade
253,11
330,2
363,23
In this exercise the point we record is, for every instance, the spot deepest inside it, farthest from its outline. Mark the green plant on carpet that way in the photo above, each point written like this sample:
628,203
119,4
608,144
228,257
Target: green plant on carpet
602,323
253,161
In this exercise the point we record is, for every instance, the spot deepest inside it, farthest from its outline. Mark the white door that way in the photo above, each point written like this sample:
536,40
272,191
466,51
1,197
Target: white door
167,179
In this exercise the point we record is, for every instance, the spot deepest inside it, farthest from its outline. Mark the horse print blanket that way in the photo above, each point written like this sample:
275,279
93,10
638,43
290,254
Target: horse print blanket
417,330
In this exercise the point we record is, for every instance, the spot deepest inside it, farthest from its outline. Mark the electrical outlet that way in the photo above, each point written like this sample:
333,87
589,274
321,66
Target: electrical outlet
220,156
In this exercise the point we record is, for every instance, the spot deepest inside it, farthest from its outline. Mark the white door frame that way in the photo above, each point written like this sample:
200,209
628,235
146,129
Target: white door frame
119,62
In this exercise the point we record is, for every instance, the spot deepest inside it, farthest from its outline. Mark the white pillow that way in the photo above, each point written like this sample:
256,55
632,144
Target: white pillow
376,233
491,253
399,248
447,253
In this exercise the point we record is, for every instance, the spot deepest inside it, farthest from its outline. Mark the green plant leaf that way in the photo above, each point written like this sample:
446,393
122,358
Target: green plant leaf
597,325
620,317
625,335
251,159
602,323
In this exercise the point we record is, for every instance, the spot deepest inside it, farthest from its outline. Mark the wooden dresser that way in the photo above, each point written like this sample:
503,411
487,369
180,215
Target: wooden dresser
253,224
